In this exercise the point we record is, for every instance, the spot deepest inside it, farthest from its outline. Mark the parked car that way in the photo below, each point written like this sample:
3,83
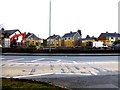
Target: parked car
32,46
96,44
116,46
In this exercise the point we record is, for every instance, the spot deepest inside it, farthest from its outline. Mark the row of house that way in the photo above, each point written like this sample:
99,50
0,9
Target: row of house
71,39
68,36
68,40
32,39
107,38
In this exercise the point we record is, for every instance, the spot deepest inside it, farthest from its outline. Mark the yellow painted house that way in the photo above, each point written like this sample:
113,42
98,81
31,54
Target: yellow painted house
72,39
32,39
88,39
109,38
54,41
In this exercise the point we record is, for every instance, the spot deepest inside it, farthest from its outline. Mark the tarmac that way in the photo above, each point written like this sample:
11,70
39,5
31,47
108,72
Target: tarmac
67,75
82,68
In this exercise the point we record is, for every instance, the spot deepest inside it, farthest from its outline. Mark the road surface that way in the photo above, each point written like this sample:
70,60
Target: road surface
64,68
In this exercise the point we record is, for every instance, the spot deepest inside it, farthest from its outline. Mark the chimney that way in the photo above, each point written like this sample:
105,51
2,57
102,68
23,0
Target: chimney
79,31
70,31
87,36
106,31
2,29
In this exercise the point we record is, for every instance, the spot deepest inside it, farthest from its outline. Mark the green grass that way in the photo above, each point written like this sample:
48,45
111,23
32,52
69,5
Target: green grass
26,84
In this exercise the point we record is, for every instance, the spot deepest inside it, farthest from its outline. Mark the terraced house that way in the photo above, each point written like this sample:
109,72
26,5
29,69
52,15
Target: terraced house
54,40
32,39
88,39
109,38
72,39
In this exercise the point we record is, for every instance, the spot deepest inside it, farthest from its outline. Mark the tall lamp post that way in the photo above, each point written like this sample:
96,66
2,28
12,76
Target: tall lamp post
49,25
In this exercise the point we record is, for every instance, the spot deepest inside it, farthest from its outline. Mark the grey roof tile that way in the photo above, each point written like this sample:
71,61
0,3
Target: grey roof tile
10,32
56,37
111,34
71,34
32,34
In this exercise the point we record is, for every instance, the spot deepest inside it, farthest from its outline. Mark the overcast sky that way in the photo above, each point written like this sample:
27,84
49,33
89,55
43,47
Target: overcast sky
92,17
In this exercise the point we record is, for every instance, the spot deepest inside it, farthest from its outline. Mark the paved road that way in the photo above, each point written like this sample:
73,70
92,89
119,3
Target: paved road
35,59
62,66
61,54
32,65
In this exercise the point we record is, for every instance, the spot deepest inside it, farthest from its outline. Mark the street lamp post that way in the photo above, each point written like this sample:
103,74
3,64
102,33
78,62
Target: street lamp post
49,25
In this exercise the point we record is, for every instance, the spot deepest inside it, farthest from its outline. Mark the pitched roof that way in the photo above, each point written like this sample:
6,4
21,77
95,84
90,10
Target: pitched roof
71,34
32,34
10,32
54,37
111,34
28,34
89,38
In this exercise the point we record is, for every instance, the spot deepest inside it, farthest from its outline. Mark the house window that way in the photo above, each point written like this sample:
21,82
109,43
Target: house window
68,38
65,38
111,37
57,42
116,37
31,38
51,42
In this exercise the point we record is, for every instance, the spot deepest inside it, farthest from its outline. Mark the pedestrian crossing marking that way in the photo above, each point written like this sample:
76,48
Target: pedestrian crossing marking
15,59
38,60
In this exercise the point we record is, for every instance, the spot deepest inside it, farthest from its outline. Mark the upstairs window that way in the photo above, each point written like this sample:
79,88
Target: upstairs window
31,38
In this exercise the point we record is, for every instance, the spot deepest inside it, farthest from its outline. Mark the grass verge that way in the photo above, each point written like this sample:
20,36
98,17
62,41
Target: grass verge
10,83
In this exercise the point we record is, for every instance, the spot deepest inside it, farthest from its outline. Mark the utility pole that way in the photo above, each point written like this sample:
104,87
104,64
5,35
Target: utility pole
49,25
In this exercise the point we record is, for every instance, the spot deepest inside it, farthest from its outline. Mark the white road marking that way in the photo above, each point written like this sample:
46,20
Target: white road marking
74,62
86,74
1,76
7,77
38,60
59,61
2,58
15,59
51,74
92,72
73,74
32,75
